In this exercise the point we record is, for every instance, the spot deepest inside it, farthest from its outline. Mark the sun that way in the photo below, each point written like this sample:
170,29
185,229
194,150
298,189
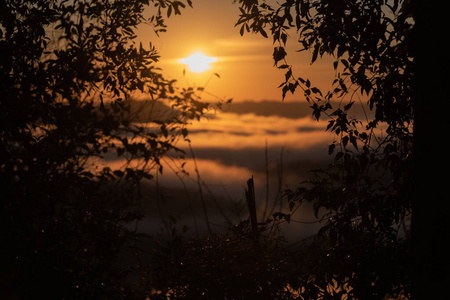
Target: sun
198,62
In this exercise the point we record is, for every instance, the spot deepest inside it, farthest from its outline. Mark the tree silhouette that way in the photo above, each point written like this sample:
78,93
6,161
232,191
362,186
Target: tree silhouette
67,71
364,200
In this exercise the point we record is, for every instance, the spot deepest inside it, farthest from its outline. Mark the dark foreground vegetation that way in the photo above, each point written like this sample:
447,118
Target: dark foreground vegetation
67,72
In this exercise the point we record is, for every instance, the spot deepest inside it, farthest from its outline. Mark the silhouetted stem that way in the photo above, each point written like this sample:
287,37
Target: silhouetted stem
200,190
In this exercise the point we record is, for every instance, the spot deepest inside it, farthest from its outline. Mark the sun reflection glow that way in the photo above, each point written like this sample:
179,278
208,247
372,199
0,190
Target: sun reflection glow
198,62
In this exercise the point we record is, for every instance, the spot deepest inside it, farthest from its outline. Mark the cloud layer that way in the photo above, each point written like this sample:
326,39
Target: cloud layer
277,143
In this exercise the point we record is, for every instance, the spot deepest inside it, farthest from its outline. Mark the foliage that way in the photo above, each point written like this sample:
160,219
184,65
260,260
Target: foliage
67,71
362,199
223,266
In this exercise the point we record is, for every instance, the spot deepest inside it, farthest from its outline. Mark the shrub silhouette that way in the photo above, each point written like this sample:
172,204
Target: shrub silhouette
223,266
67,71
363,200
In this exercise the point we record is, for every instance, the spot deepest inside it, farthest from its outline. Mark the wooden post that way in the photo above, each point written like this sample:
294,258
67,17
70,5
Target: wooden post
251,203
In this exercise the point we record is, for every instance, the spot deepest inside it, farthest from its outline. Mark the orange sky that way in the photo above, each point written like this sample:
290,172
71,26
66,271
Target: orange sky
230,146
247,72
244,64
252,139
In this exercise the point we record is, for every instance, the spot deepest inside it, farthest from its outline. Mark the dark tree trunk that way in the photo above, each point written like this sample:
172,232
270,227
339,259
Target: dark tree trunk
430,196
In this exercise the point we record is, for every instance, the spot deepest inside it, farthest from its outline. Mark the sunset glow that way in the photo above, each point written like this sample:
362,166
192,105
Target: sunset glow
198,62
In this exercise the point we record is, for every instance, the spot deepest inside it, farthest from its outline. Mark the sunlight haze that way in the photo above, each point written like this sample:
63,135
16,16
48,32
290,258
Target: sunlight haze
245,63
202,42
198,62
